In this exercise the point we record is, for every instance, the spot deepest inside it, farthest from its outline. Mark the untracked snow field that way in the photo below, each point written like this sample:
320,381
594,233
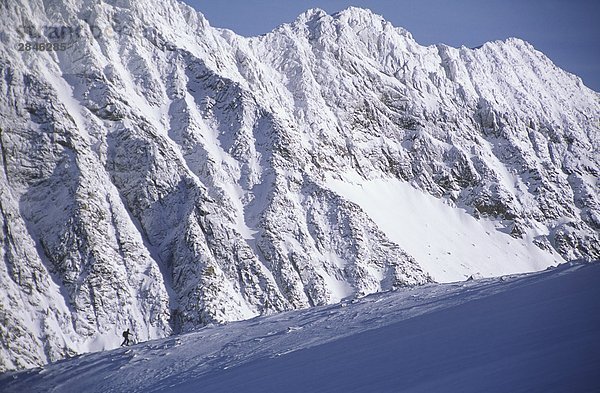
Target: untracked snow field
523,333
447,242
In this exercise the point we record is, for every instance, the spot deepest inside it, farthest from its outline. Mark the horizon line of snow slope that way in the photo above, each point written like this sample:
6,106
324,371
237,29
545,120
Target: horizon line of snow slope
520,333
446,241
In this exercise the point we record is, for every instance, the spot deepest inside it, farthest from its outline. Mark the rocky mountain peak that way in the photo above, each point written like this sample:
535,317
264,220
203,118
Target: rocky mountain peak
354,16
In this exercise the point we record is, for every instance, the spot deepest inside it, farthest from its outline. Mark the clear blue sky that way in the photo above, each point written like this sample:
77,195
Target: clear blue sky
567,31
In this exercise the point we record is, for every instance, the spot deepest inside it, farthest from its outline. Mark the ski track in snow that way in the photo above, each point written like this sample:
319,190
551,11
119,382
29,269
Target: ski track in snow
535,332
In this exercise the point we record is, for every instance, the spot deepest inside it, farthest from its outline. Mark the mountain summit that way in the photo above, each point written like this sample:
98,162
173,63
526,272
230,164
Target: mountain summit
161,174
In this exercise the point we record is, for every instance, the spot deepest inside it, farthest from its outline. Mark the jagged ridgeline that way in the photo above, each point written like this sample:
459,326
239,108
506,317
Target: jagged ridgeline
161,174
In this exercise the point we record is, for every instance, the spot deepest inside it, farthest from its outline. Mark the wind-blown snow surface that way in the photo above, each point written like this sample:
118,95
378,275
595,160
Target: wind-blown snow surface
537,332
162,174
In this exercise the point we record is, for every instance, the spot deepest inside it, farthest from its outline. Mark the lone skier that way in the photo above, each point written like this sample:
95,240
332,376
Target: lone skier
126,335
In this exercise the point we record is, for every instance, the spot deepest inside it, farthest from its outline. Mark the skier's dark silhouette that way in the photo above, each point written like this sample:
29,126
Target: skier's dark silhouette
126,335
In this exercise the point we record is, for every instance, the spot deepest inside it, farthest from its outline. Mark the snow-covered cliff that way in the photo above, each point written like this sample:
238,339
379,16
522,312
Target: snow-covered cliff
162,174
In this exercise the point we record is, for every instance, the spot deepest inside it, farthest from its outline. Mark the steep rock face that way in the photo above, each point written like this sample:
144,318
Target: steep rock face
162,174
498,130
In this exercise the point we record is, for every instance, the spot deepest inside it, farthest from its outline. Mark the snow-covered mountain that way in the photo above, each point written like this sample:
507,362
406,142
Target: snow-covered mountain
514,333
162,174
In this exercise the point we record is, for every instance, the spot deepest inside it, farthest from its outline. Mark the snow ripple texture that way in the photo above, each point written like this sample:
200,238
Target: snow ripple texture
162,174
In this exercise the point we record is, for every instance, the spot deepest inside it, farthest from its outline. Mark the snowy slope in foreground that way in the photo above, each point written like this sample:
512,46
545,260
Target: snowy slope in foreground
537,332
